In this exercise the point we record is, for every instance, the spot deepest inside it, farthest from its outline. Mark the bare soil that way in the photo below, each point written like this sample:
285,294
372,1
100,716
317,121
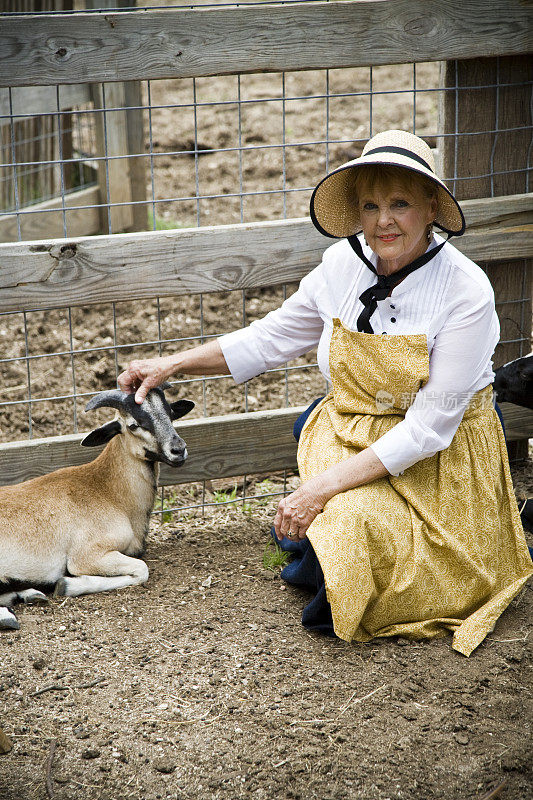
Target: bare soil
202,683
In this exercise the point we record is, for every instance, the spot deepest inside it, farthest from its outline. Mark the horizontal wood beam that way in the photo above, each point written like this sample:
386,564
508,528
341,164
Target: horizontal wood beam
39,220
219,447
82,271
88,47
41,100
518,422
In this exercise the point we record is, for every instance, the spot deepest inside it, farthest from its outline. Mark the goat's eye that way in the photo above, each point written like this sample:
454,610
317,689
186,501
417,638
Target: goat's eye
133,426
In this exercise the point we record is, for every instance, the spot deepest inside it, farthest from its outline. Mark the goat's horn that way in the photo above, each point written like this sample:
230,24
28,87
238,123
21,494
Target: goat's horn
113,398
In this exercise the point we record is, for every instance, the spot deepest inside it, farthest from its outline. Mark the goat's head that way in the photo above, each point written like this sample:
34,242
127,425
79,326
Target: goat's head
148,426
513,383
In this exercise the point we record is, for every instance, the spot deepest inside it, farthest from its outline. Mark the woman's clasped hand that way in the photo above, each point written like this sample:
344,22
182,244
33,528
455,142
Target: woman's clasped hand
297,511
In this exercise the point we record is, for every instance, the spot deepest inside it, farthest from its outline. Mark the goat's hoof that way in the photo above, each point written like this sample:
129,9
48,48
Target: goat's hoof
60,589
31,597
8,621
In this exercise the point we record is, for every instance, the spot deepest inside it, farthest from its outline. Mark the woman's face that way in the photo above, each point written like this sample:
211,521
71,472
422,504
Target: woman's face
395,221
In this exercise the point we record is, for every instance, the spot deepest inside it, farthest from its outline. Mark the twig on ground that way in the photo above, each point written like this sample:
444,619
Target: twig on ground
54,687
506,641
360,699
89,684
48,775
494,792
205,720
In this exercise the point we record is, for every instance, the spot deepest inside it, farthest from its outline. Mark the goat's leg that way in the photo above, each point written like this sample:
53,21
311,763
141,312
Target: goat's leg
8,620
27,596
113,570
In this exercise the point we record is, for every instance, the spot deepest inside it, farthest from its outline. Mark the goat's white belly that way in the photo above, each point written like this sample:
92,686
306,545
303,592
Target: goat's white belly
32,567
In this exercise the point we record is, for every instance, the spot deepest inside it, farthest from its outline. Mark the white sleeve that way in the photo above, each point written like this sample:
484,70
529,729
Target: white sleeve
285,333
458,367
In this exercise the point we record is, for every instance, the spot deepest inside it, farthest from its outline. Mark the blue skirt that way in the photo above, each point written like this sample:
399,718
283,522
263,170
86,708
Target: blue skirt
304,570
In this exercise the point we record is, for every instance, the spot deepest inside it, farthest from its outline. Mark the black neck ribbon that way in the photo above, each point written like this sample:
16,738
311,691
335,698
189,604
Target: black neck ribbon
381,289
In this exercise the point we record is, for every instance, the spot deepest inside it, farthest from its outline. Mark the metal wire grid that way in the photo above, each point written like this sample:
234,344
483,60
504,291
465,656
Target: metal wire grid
20,367
15,168
39,147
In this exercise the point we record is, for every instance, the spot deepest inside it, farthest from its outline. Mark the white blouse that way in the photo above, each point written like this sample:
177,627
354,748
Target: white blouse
449,299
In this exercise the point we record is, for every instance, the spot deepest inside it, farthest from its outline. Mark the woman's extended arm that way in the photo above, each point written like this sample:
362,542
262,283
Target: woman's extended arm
144,374
297,511
285,333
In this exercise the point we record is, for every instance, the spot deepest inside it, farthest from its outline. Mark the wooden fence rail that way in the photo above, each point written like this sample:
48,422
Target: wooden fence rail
144,45
219,447
67,272
40,100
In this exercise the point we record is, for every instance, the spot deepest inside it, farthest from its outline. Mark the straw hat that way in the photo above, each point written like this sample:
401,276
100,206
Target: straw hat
334,209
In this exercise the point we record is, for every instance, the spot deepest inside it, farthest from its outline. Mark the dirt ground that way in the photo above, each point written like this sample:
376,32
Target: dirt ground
202,684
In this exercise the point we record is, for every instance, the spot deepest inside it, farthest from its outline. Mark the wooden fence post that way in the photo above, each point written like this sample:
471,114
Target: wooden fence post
135,133
125,135
499,155
113,173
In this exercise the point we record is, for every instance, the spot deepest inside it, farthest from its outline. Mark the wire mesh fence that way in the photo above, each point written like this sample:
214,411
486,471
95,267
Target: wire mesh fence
210,151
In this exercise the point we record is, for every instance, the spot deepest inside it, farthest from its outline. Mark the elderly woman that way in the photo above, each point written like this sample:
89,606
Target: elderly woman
405,522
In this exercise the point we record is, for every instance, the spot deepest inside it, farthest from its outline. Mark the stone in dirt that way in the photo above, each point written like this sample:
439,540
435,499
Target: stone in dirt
164,765
5,743
90,753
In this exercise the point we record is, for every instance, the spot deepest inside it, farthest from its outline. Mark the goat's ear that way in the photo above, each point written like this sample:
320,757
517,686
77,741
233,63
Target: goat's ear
102,435
180,408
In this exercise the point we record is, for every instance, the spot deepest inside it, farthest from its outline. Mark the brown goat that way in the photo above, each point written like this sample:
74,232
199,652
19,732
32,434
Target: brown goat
82,529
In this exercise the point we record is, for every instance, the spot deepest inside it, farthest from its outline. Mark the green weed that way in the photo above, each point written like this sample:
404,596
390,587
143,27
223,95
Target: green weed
225,497
162,224
274,558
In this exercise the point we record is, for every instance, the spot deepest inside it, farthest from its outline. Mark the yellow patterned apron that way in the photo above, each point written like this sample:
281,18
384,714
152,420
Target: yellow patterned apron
438,548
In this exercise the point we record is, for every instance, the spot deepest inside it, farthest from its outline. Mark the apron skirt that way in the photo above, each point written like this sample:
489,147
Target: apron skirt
436,549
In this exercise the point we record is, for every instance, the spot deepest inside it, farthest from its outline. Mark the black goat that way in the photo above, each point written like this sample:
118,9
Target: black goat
513,383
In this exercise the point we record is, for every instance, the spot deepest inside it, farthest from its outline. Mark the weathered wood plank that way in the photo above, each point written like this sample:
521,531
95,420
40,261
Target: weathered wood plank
219,447
515,242
142,45
518,422
40,220
160,263
113,173
41,100
137,166
87,270
498,212
493,163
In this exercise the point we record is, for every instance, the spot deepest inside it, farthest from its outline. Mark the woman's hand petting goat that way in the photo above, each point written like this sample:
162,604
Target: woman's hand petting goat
145,374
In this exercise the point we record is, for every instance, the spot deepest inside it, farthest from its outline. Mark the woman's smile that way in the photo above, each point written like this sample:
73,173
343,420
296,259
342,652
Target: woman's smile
395,222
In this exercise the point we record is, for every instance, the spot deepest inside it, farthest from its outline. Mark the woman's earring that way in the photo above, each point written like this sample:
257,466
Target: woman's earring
430,232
